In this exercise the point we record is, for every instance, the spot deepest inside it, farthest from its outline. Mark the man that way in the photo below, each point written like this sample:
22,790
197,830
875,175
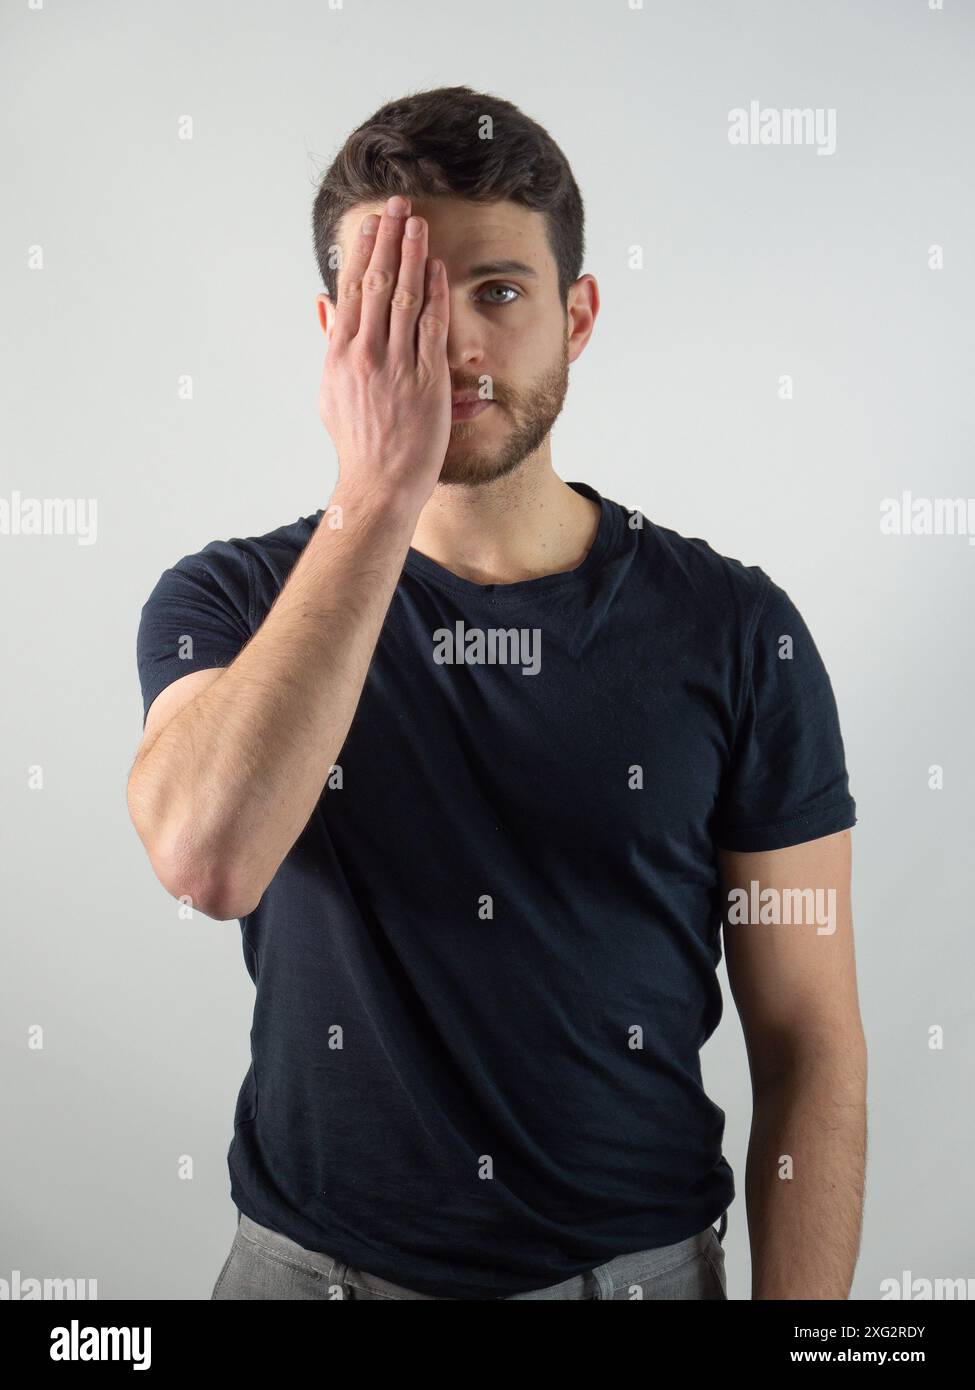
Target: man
480,760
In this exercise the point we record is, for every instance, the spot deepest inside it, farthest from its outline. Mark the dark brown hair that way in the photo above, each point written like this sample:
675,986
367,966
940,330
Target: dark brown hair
430,144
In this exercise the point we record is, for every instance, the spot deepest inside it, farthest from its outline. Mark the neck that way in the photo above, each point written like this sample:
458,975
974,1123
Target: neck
523,526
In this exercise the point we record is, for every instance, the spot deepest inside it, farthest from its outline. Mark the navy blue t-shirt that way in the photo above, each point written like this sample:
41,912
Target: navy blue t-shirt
485,971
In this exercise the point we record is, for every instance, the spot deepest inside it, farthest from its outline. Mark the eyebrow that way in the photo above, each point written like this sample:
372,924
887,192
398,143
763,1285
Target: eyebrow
475,272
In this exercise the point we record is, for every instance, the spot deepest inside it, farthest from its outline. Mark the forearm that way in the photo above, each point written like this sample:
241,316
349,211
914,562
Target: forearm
804,1178
230,781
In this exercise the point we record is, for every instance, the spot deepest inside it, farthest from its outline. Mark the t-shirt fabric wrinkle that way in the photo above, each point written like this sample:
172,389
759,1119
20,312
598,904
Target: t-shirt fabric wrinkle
486,969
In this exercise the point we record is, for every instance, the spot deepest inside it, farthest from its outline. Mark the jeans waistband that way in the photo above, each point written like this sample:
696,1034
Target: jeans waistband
603,1280
599,1282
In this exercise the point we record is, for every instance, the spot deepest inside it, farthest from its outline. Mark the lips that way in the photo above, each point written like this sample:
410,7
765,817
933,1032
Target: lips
469,408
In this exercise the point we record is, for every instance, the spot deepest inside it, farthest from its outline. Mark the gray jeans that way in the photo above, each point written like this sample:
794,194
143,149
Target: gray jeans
263,1264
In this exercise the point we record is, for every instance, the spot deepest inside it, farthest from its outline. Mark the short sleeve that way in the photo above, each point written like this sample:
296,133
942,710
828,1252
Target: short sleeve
787,780
198,616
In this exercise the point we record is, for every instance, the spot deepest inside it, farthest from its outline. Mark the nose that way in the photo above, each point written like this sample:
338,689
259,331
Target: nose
465,348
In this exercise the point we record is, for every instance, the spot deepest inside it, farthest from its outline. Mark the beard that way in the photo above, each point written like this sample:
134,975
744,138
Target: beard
533,412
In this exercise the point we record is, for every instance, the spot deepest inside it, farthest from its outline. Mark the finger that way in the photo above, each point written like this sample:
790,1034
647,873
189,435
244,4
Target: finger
379,280
408,296
350,281
431,326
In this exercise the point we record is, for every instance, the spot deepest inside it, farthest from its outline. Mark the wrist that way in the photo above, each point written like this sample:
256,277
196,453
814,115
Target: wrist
375,503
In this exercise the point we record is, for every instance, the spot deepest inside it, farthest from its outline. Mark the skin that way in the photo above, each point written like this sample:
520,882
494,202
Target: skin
233,761
796,995
499,513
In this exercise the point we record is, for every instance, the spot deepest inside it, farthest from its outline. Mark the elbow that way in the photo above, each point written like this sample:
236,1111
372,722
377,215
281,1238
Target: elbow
807,1056
205,881
205,887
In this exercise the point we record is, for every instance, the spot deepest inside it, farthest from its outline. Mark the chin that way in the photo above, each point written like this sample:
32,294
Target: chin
466,473
475,470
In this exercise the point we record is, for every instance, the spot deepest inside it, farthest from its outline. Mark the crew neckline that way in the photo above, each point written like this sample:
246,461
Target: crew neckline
419,564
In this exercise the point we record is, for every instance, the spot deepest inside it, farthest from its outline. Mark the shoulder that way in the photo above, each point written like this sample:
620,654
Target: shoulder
247,571
283,545
698,577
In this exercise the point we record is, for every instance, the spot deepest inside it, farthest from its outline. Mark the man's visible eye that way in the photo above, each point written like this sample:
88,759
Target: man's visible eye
505,289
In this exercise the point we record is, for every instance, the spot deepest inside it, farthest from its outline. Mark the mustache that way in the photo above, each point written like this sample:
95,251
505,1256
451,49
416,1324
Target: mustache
497,393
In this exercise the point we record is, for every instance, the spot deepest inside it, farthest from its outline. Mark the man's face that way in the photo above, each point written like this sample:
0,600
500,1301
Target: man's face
509,335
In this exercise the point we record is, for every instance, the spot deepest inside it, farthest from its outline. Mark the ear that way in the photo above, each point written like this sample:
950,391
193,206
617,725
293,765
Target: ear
582,306
325,312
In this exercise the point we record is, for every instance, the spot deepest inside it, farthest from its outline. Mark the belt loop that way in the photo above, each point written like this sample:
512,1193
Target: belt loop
336,1280
722,1227
604,1281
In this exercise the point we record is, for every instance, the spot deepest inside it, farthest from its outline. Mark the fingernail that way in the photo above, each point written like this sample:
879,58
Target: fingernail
369,224
413,227
396,206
